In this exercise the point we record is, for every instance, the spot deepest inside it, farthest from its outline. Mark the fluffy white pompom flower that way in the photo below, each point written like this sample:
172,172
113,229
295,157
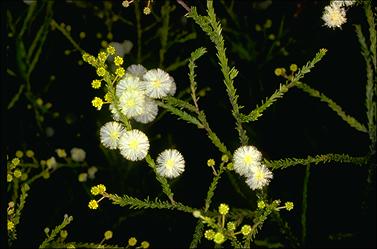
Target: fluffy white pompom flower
136,70
129,83
170,163
133,145
110,134
334,16
150,111
245,159
158,83
131,103
259,178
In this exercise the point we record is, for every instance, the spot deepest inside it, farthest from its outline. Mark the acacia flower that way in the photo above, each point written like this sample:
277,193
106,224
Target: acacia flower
102,56
108,234
132,241
96,84
334,15
101,71
110,49
93,204
128,83
133,145
245,159
246,230
288,205
120,71
158,83
209,234
218,238
118,61
150,111
61,153
78,154
223,209
110,133
97,103
170,163
259,177
136,70
51,163
131,103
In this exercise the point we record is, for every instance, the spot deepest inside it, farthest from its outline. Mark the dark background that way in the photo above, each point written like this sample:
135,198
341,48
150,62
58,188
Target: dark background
341,212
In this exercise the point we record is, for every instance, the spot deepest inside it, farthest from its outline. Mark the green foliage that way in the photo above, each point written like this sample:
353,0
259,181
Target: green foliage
135,203
294,81
326,158
50,237
333,106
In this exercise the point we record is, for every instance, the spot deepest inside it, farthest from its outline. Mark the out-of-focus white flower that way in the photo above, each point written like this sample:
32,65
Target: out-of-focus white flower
342,3
92,172
114,112
78,154
137,70
123,48
334,16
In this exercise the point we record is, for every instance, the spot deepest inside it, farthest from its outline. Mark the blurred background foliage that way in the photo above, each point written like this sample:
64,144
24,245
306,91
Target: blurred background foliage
46,95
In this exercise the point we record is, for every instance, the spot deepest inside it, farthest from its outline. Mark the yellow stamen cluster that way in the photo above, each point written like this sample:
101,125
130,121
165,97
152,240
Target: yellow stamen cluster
223,209
293,67
118,61
97,103
132,241
219,238
110,50
98,190
29,153
289,205
101,71
96,84
93,204
261,204
19,154
145,244
108,235
211,162
120,72
246,230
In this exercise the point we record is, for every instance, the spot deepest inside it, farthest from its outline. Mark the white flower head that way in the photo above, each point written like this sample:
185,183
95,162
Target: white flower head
110,134
334,15
129,83
114,112
150,111
136,70
245,159
259,177
131,103
134,145
78,155
158,83
170,163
